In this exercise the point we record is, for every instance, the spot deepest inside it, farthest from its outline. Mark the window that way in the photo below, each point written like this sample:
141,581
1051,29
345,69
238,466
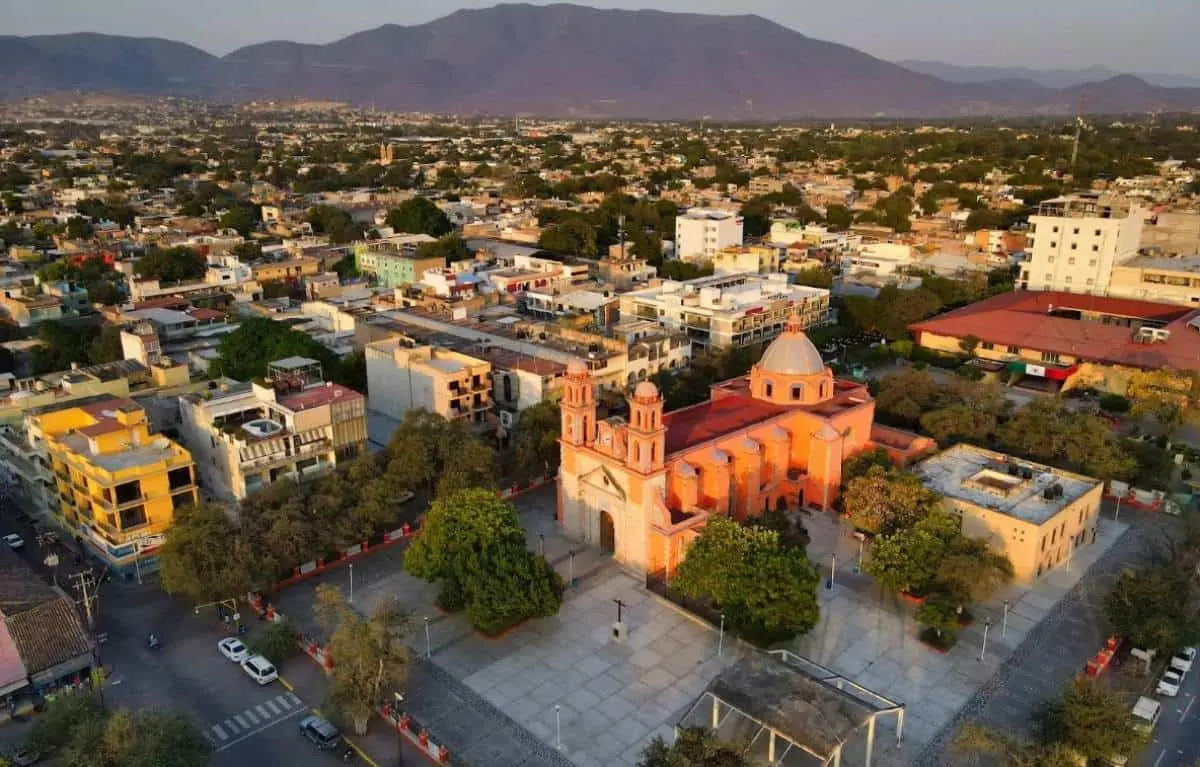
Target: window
768,388
1054,229
1054,243
1050,357
1090,281
1095,248
1067,278
1074,246
797,391
1050,259
1076,230
1070,261
1092,262
987,346
1014,350
1097,232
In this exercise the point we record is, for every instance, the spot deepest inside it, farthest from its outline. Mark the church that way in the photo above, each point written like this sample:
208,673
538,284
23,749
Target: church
642,488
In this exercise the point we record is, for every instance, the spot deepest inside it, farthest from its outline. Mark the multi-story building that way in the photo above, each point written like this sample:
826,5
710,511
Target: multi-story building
1031,513
1075,241
881,259
623,270
287,269
701,232
29,310
403,375
291,425
728,310
394,262
1173,279
118,484
763,259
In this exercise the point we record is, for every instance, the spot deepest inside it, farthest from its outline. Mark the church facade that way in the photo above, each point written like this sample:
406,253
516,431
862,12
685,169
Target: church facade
642,488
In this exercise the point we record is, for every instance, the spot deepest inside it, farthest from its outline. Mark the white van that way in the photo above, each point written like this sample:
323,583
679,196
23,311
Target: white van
260,669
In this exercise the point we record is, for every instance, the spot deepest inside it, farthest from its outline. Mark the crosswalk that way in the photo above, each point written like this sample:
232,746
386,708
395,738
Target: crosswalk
254,718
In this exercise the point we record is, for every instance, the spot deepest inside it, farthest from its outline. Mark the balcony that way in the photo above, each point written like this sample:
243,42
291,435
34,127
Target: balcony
309,448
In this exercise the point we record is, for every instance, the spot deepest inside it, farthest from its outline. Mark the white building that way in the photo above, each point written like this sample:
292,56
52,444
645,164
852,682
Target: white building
727,310
1075,241
881,259
701,232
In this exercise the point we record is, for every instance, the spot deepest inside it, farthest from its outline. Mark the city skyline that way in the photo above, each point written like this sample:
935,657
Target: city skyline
1105,33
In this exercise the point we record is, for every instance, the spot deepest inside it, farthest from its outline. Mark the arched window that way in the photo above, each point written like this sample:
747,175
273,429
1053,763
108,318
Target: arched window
768,388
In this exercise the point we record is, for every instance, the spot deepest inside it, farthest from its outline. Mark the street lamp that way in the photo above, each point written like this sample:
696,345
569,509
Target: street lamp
399,739
558,727
351,583
987,624
1004,620
721,636
428,646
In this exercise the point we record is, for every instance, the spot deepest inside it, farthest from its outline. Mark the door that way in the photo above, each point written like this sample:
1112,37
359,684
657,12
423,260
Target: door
608,535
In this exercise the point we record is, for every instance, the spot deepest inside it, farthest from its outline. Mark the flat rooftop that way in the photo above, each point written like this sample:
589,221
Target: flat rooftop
159,449
1164,263
1002,483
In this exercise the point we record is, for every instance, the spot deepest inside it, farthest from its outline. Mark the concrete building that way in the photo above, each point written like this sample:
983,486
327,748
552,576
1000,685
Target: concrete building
393,262
1069,340
644,488
882,259
403,376
29,310
290,425
727,310
760,259
1075,241
701,232
624,272
1169,279
287,269
72,296
1031,513
118,485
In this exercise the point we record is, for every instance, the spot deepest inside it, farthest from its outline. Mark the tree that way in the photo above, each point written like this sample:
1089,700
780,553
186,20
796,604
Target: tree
908,560
838,216
940,616
370,660
535,439
693,747
1151,609
449,248
171,264
573,236
79,228
205,558
334,223
419,215
887,500
860,463
441,455
790,529
1090,720
473,544
1163,395
1046,431
276,642
969,344
1013,752
246,352
767,591
957,423
930,203
971,572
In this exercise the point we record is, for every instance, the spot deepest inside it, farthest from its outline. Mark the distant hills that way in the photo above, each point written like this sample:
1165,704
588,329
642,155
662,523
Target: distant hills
563,60
1050,78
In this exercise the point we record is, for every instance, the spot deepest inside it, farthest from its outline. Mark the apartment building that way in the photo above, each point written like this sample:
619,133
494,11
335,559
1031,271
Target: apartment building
1075,241
1170,279
118,485
28,311
394,262
403,375
291,425
701,232
762,259
882,259
727,310
287,269
1034,514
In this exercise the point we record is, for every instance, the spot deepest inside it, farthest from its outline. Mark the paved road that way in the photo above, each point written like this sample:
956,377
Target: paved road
1056,650
1176,739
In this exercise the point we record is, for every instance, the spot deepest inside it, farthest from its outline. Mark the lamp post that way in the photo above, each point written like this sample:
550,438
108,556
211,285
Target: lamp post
1004,621
558,727
428,646
832,570
987,624
571,568
351,583
721,636
1117,513
399,738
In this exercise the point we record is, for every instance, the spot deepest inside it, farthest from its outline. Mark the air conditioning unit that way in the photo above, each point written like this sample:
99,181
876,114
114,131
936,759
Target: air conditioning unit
507,418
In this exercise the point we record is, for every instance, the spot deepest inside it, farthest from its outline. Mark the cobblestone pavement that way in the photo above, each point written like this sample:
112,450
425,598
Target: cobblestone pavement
1053,652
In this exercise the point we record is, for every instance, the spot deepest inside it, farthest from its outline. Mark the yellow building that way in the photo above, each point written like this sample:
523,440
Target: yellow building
292,269
118,484
1033,514
758,259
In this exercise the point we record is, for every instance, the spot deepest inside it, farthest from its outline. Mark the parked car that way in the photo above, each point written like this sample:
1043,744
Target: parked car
321,732
1182,661
25,758
1170,683
232,648
14,541
260,669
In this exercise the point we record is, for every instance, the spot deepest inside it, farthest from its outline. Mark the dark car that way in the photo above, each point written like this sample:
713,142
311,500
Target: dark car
322,733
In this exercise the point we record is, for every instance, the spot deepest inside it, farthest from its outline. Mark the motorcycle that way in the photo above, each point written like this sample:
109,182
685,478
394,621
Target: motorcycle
153,643
348,755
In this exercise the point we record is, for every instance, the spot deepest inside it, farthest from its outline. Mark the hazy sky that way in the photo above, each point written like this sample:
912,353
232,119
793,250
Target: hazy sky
1151,36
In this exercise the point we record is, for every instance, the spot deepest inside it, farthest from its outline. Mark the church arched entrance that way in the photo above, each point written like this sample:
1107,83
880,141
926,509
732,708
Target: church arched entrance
608,533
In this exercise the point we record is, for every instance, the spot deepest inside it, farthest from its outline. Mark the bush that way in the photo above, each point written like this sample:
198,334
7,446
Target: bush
276,642
942,641
969,372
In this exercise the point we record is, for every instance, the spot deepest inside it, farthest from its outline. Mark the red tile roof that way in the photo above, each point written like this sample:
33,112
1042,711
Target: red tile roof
318,396
1023,319
201,314
715,418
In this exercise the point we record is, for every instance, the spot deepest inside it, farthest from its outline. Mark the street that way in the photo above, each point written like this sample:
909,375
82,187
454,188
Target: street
1176,739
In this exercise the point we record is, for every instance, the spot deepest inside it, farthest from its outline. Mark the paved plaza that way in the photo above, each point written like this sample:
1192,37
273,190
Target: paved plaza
560,690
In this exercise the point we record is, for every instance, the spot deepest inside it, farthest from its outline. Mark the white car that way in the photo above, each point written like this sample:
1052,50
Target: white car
14,541
1170,683
232,648
260,669
1182,661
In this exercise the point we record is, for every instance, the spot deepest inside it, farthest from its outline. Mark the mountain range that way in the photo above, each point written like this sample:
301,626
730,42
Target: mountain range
561,60
1050,78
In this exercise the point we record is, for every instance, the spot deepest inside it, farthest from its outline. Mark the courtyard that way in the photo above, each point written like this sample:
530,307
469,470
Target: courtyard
590,700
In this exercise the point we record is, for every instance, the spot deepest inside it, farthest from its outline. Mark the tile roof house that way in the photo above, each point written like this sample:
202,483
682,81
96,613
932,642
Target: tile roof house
40,629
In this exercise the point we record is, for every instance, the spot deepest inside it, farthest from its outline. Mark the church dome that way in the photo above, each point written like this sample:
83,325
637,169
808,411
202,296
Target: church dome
792,354
646,391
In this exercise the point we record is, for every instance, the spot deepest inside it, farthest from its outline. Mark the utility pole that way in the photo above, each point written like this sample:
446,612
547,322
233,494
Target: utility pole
85,582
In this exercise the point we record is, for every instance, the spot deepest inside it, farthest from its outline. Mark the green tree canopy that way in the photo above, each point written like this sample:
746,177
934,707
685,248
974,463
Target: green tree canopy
473,545
887,500
693,747
767,591
205,558
334,223
574,237
428,452
169,265
1091,720
258,341
449,248
1151,609
419,215
1047,431
370,658
908,559
535,438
